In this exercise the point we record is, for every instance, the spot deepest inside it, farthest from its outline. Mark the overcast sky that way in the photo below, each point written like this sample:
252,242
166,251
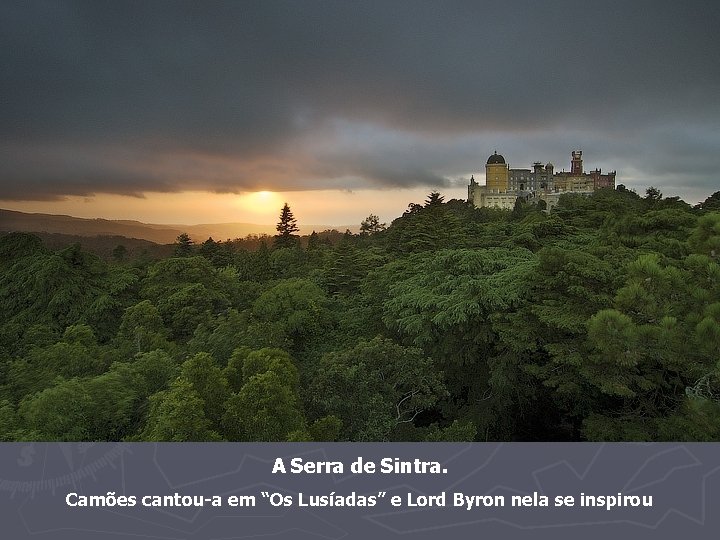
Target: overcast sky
142,97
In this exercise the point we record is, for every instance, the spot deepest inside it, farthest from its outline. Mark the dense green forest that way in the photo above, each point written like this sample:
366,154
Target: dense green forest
598,321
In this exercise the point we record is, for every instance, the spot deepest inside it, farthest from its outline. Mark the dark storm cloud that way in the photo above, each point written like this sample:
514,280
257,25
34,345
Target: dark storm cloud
167,96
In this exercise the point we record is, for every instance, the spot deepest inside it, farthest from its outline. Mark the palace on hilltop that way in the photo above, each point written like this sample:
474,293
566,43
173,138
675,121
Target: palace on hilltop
503,185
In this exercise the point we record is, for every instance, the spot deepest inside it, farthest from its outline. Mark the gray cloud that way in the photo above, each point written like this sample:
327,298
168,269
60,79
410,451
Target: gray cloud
168,96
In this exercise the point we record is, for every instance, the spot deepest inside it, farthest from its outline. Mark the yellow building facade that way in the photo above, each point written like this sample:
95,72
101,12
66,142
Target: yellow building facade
497,176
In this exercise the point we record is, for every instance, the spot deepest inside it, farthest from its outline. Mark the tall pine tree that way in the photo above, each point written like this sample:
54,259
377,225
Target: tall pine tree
286,228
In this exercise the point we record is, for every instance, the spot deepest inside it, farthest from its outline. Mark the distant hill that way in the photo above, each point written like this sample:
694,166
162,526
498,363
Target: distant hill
103,246
11,220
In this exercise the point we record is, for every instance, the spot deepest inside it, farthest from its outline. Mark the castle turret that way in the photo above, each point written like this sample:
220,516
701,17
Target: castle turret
576,165
471,189
496,173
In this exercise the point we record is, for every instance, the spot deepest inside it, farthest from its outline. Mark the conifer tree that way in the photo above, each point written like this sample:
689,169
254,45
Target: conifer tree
371,225
313,242
183,245
286,228
434,199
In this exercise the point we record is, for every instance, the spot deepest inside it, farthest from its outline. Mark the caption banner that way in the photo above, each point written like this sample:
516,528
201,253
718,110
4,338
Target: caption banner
304,490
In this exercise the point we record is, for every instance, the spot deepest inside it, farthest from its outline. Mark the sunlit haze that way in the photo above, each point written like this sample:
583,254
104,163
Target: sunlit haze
325,207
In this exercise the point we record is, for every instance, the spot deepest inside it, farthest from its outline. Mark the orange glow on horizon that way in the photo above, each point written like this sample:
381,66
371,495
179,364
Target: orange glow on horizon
321,207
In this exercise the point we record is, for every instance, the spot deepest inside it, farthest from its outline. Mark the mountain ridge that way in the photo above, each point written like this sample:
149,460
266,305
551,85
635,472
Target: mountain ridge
13,220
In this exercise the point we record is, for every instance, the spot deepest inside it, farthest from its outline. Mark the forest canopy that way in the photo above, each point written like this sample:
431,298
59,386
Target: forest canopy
597,321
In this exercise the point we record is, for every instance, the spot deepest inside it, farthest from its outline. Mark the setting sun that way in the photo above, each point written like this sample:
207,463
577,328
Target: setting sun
259,205
263,200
